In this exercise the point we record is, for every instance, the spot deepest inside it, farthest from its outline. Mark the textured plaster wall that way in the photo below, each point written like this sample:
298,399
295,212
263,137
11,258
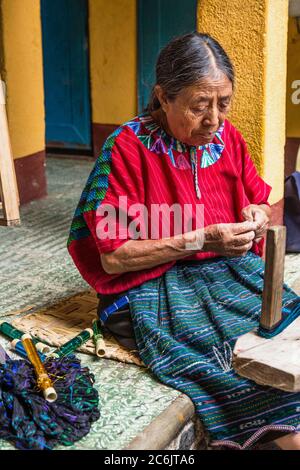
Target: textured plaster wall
274,117
22,71
293,73
112,35
227,22
254,35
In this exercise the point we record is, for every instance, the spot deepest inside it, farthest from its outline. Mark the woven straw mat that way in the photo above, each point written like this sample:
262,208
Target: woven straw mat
57,324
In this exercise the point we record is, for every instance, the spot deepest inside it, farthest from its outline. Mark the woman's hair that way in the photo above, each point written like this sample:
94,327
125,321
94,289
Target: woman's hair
187,59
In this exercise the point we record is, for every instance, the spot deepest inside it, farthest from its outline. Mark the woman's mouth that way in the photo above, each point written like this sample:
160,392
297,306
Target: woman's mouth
203,138
206,134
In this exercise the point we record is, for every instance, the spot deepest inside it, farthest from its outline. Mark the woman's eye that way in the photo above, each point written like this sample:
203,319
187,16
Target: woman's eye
224,105
198,110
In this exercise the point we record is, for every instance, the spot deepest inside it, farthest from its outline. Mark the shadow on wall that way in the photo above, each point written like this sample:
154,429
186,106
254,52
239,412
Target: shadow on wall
291,154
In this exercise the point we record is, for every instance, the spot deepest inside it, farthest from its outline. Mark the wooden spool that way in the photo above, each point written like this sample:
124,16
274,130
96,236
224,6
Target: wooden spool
276,361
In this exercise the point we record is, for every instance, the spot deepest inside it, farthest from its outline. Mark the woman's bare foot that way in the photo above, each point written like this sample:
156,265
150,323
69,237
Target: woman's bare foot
289,442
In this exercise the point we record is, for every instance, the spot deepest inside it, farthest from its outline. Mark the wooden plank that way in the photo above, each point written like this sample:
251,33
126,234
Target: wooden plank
274,271
8,183
274,362
9,223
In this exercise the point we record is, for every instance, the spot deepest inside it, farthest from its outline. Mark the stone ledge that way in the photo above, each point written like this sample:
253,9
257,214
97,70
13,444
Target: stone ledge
166,427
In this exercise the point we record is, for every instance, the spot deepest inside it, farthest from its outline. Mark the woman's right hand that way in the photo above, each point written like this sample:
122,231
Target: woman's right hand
234,239
136,255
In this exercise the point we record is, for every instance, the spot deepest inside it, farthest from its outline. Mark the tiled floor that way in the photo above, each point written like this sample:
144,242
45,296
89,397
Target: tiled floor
36,269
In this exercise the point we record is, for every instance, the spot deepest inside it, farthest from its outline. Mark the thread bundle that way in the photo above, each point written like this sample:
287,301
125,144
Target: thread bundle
29,421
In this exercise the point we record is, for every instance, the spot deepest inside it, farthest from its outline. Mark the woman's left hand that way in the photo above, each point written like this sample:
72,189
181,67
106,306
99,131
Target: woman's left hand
260,214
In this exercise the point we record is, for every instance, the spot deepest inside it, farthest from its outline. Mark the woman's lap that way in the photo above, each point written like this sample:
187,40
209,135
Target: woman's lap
186,323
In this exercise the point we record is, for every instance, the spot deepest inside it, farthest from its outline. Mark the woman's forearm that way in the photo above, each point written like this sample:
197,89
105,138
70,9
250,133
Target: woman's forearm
135,255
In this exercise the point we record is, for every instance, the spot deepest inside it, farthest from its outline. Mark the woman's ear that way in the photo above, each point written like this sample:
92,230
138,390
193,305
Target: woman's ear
161,96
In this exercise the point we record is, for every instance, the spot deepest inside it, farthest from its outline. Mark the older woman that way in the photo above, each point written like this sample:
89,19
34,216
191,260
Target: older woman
192,291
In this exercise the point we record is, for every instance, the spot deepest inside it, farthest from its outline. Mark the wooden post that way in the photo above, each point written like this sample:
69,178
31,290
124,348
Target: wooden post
8,183
274,362
274,270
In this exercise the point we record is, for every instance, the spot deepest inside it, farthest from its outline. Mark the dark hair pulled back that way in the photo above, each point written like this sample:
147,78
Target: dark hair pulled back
185,60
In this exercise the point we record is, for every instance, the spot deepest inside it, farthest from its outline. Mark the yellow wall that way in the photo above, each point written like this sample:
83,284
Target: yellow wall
112,36
112,26
293,73
226,21
254,35
22,72
274,118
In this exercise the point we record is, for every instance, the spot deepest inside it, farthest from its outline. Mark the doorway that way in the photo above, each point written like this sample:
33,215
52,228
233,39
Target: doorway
66,75
158,22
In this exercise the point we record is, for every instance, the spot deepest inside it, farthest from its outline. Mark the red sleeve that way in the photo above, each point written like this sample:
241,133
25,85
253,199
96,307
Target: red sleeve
124,190
256,189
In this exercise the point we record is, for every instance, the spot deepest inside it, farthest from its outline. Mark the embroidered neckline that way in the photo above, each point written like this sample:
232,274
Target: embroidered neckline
159,141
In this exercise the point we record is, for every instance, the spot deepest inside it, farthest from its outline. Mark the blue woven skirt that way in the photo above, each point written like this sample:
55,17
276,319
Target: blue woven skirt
186,323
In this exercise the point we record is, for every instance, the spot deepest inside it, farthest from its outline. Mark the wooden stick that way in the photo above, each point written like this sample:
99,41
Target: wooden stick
8,183
274,270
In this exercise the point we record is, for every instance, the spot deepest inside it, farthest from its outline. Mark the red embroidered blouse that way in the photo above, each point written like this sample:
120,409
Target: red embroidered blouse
140,161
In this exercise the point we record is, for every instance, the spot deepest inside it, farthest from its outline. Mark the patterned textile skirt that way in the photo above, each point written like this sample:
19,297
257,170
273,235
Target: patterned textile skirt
186,323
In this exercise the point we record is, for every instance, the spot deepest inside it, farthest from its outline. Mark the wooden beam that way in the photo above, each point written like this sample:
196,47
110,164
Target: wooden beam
8,183
273,362
274,271
8,223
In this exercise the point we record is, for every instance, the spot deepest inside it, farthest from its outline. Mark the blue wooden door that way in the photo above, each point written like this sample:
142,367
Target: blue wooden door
158,22
66,73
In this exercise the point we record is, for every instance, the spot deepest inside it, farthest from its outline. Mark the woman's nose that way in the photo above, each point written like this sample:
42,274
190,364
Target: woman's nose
212,117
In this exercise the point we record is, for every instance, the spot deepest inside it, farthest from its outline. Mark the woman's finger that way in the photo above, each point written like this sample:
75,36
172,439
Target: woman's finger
262,230
247,214
243,239
242,227
239,251
260,217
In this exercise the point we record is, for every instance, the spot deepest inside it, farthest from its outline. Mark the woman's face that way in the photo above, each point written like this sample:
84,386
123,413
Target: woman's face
197,112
